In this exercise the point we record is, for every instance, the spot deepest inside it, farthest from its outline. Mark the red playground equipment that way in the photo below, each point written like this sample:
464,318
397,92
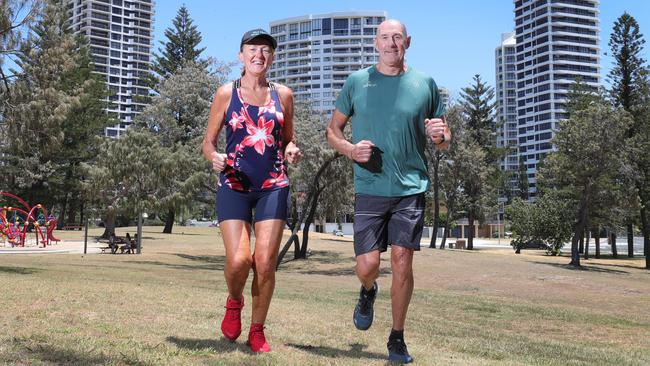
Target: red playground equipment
15,222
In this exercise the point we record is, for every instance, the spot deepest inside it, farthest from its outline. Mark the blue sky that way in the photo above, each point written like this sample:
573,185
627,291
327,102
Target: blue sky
451,40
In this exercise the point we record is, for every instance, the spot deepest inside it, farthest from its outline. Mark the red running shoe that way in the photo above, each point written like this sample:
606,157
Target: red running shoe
256,339
231,324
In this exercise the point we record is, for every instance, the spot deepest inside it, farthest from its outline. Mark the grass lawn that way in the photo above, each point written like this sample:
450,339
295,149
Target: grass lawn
164,307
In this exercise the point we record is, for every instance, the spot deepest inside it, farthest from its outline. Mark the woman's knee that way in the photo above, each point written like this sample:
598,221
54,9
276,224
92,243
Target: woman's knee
240,263
265,267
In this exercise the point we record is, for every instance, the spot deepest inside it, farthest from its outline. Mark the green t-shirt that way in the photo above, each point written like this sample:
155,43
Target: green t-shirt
389,111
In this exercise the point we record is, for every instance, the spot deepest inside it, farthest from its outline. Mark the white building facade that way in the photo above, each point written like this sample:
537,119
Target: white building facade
506,100
317,52
120,33
557,41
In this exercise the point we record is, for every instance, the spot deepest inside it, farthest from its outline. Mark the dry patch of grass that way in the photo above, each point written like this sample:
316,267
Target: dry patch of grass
469,308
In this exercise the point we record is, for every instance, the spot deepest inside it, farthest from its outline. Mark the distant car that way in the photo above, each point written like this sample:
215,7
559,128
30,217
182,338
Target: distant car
192,222
337,232
508,234
214,223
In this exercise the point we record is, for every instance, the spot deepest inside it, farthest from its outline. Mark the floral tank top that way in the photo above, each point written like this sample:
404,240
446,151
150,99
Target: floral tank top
254,145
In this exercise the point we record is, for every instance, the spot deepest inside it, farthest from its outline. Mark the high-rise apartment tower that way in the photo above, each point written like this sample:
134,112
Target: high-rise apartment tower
120,33
557,41
317,52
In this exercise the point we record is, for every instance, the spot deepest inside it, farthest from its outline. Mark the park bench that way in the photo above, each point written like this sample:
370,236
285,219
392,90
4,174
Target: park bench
111,246
130,244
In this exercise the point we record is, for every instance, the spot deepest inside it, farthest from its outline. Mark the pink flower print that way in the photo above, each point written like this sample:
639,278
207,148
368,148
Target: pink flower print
277,179
237,121
230,161
259,136
268,108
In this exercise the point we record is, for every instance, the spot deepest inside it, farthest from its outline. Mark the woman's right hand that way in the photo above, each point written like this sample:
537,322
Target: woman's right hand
218,161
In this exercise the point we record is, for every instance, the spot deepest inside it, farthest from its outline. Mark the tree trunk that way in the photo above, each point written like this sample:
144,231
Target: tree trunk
169,221
72,213
436,201
308,221
578,232
470,234
109,223
445,233
645,227
308,203
575,254
630,240
597,242
587,244
613,241
64,207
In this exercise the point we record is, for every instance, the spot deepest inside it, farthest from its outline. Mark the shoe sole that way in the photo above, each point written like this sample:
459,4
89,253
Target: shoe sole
400,360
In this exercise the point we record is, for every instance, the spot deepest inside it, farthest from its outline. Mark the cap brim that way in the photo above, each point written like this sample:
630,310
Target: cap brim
267,37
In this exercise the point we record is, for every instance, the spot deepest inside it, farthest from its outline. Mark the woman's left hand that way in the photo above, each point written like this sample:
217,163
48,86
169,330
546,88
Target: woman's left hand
292,153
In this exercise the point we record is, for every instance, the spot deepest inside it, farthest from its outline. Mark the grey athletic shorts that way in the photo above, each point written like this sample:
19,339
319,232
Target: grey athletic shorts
381,221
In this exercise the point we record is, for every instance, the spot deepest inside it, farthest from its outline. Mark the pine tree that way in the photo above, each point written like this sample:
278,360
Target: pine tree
84,121
482,176
180,47
629,73
577,169
478,105
57,106
40,104
15,15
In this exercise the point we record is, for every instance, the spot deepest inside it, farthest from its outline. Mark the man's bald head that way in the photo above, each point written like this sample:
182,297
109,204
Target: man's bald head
392,22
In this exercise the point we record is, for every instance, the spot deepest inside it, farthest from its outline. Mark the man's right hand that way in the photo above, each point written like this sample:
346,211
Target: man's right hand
361,151
218,161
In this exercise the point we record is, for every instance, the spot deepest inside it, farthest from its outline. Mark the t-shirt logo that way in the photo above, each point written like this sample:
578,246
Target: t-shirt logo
369,85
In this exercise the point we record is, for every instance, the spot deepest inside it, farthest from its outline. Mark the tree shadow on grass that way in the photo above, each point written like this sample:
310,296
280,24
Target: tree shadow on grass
327,258
19,270
355,352
218,345
590,268
203,262
62,356
346,271
624,266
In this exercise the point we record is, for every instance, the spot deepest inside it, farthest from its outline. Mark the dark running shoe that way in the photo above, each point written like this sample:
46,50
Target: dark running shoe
397,351
364,312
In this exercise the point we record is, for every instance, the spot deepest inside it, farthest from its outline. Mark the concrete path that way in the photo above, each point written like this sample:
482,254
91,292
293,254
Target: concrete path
67,246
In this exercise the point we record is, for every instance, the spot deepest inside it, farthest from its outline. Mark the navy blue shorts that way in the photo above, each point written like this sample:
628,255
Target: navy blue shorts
267,205
382,221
